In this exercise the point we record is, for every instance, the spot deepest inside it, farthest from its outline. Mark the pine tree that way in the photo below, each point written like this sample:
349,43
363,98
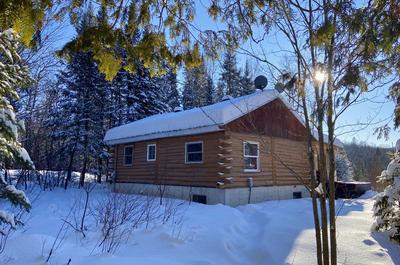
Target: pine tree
13,73
167,85
82,108
210,90
195,87
219,92
149,100
344,168
386,206
246,81
137,94
230,80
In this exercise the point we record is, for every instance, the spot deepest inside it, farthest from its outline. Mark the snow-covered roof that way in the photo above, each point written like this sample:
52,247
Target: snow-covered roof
205,119
187,122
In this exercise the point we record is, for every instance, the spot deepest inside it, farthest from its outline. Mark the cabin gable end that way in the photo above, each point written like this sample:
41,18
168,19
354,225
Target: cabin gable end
272,119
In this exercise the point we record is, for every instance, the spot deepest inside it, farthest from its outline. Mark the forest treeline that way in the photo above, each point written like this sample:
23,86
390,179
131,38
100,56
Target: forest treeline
367,161
69,111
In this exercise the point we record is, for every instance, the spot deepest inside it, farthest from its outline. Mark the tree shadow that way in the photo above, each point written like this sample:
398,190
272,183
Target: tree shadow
345,206
388,247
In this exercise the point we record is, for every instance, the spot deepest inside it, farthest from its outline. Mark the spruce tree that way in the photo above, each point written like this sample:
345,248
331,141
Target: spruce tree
13,74
84,101
386,207
246,81
82,109
167,85
210,90
219,92
195,88
230,80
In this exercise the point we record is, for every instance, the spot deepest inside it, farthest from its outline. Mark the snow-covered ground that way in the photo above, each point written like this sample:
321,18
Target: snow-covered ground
275,232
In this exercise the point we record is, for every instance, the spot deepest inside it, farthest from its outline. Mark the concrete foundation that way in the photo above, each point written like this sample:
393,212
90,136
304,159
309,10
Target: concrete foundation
231,197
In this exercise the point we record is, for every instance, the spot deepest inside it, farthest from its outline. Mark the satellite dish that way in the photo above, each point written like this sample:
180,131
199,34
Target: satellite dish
279,87
260,82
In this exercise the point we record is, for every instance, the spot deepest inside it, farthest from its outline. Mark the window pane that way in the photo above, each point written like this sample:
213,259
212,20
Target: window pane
151,152
194,147
194,157
128,150
128,155
250,163
250,149
128,160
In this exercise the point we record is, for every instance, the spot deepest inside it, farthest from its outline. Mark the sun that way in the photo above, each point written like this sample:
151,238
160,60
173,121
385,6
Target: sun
319,76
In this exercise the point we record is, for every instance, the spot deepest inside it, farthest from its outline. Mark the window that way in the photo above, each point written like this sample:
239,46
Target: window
194,152
151,152
297,195
128,155
199,198
251,155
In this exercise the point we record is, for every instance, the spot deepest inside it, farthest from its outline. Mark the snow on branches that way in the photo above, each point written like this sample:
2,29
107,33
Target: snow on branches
344,168
13,73
386,207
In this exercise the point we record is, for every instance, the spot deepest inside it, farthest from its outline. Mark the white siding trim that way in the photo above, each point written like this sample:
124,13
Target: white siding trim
258,156
155,153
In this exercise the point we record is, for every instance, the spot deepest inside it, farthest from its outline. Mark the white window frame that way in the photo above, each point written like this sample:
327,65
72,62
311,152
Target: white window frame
202,152
126,146
155,152
257,156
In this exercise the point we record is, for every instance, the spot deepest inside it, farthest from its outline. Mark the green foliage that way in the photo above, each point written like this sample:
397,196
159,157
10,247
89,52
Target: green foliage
323,34
386,206
108,64
120,21
196,90
16,197
394,93
13,73
24,16
368,161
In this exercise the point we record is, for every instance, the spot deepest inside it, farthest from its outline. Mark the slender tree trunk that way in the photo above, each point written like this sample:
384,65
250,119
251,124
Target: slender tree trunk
84,210
310,153
83,171
332,167
69,172
6,174
332,208
320,117
330,16
85,154
323,171
100,170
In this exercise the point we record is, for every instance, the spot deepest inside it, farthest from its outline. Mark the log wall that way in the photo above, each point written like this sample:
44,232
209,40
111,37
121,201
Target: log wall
283,154
170,166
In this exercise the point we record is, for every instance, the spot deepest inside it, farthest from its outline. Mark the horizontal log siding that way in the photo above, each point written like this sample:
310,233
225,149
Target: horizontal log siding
170,167
276,129
272,119
280,133
282,168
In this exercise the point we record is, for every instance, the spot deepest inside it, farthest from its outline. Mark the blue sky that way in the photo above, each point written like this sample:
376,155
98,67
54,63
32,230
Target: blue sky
357,122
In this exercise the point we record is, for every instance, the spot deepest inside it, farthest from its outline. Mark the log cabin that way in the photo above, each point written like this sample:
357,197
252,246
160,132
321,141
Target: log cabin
240,150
